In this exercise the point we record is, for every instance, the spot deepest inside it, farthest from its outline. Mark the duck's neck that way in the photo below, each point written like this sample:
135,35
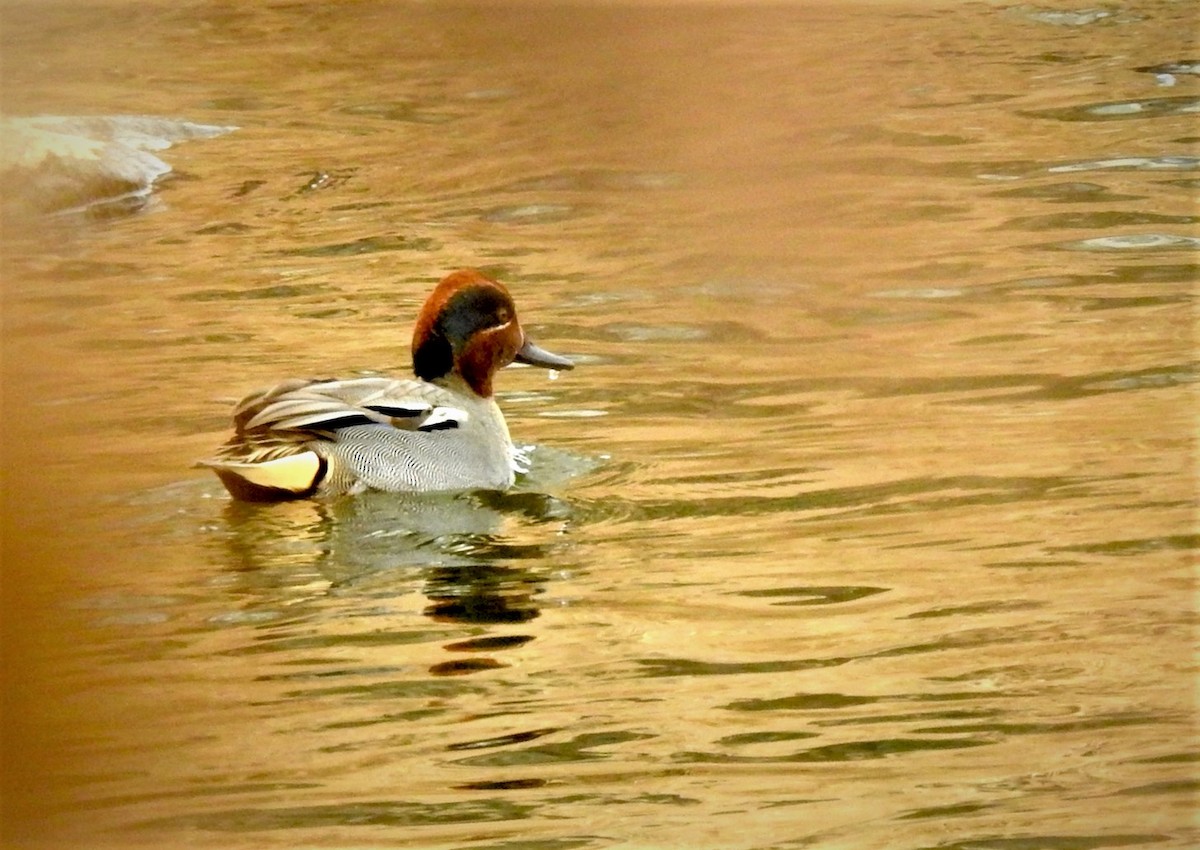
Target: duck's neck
460,385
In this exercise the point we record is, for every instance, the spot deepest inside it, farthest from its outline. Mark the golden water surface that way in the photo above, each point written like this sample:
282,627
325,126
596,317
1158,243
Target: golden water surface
867,519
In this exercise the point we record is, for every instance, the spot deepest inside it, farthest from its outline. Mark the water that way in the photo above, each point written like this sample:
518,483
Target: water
867,519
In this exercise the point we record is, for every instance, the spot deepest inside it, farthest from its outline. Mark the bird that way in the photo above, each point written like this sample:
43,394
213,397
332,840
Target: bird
440,430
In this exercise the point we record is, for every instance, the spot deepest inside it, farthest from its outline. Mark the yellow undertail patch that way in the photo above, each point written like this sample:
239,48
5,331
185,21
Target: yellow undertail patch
291,477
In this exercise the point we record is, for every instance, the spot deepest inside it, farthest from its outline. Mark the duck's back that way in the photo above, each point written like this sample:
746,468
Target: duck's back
367,433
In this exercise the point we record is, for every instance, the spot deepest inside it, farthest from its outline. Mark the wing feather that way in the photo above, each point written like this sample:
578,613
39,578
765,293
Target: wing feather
280,421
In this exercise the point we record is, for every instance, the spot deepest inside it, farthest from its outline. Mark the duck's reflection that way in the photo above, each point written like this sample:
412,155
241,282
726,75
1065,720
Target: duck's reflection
482,594
480,559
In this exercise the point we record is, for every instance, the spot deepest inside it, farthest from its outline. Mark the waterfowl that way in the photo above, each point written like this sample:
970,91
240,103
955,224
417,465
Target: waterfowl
441,430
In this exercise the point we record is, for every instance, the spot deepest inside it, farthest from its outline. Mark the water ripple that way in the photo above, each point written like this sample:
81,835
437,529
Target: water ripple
581,748
1118,110
391,813
902,496
1132,242
849,751
365,245
1050,842
1129,163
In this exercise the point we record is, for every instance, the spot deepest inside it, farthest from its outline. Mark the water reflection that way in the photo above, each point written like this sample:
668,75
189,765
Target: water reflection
479,559
375,813
482,594
1123,109
347,539
100,166
891,350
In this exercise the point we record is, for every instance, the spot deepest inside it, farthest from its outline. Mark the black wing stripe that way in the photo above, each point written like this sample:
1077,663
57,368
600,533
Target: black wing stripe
441,425
334,423
392,410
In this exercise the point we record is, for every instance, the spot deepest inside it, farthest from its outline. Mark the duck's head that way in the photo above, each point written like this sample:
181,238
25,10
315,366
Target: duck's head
468,327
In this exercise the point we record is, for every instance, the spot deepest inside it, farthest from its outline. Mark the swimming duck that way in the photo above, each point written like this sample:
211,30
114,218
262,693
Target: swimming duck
439,431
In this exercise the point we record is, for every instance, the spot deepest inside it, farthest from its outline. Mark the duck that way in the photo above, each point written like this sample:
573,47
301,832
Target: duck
440,430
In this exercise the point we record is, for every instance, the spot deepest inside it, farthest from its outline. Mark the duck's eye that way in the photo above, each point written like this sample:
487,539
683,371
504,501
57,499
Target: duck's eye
503,316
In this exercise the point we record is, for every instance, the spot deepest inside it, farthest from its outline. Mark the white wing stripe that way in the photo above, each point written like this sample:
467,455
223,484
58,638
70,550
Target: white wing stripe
444,417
